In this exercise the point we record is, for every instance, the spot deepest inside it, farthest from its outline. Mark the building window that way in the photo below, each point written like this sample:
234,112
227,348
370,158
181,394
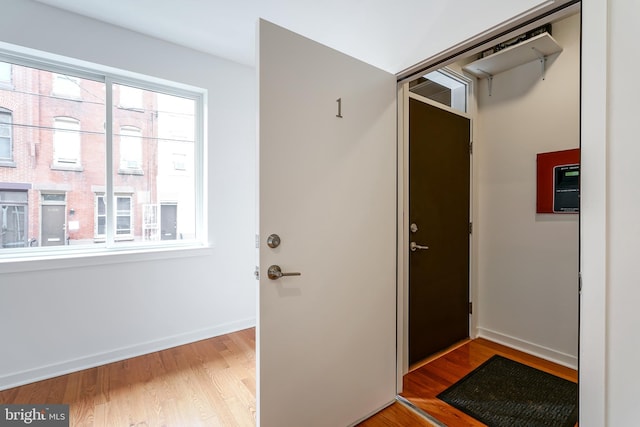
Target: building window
124,221
5,72
130,97
101,218
6,131
124,177
180,161
66,141
13,219
130,149
123,217
66,86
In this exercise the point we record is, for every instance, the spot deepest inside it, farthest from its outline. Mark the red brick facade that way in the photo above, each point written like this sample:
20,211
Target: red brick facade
62,205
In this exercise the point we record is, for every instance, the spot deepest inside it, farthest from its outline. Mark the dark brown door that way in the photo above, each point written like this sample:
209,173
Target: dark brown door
439,181
53,225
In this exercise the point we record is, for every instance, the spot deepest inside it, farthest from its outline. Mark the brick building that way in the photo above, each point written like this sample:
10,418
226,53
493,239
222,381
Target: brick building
53,162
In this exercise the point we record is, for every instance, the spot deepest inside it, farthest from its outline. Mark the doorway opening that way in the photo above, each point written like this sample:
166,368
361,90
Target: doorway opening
523,265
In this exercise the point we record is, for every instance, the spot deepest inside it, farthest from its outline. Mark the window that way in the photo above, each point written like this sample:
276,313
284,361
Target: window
130,97
124,221
130,149
443,86
13,219
180,161
5,72
66,141
123,216
66,86
6,149
101,218
117,170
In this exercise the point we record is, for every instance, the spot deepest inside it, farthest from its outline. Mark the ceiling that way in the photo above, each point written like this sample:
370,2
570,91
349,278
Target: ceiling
389,34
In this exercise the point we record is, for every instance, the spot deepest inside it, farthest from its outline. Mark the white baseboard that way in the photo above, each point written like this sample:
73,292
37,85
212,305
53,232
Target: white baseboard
91,361
528,347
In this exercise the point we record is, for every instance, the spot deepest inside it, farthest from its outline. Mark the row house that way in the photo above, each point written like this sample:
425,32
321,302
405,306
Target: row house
53,161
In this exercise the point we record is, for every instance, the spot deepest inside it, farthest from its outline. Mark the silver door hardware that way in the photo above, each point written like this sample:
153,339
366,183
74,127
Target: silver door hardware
414,247
257,273
274,272
413,227
273,241
339,101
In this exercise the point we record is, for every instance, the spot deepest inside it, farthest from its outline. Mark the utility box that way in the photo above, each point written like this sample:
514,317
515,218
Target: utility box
558,182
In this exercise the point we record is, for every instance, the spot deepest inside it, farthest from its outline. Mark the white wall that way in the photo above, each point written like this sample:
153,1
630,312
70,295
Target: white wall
611,291
62,316
527,263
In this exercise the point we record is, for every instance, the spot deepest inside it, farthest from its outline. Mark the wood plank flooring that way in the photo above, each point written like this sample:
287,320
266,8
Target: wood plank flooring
396,415
422,385
206,383
213,383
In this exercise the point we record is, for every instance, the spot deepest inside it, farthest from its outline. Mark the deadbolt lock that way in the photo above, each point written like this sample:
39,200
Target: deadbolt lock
273,241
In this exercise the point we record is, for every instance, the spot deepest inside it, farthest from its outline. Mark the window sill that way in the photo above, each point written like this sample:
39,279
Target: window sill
7,164
87,256
68,168
134,109
66,97
130,171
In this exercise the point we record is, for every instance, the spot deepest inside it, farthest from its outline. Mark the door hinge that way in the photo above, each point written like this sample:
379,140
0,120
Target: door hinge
470,147
257,273
470,308
470,227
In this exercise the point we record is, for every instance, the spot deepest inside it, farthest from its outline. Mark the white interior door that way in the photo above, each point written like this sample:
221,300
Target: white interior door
327,187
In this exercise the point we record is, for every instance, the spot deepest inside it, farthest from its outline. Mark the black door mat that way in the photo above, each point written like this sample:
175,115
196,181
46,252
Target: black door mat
505,393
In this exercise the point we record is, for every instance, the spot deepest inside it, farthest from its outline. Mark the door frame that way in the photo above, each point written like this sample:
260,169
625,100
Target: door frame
42,205
526,21
404,94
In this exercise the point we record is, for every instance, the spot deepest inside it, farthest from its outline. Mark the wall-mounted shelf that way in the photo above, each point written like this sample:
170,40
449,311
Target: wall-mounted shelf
535,48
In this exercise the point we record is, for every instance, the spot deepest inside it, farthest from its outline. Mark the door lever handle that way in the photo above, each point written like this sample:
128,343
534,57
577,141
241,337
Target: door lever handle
414,247
275,272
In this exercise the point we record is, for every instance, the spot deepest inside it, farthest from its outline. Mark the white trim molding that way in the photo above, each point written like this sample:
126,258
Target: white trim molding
91,361
546,353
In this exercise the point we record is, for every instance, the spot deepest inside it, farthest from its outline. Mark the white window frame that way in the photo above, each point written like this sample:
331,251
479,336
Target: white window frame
117,213
110,76
97,235
67,142
128,214
66,86
130,142
458,84
130,97
4,112
5,73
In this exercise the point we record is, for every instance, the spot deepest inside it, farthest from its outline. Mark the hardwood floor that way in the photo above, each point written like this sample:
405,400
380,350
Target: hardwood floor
422,385
207,383
212,383
396,415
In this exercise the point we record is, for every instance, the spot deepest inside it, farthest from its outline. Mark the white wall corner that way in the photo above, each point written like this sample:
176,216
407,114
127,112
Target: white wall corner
546,353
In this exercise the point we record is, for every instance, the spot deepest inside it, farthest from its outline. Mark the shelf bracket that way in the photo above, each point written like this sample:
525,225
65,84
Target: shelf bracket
489,78
543,62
